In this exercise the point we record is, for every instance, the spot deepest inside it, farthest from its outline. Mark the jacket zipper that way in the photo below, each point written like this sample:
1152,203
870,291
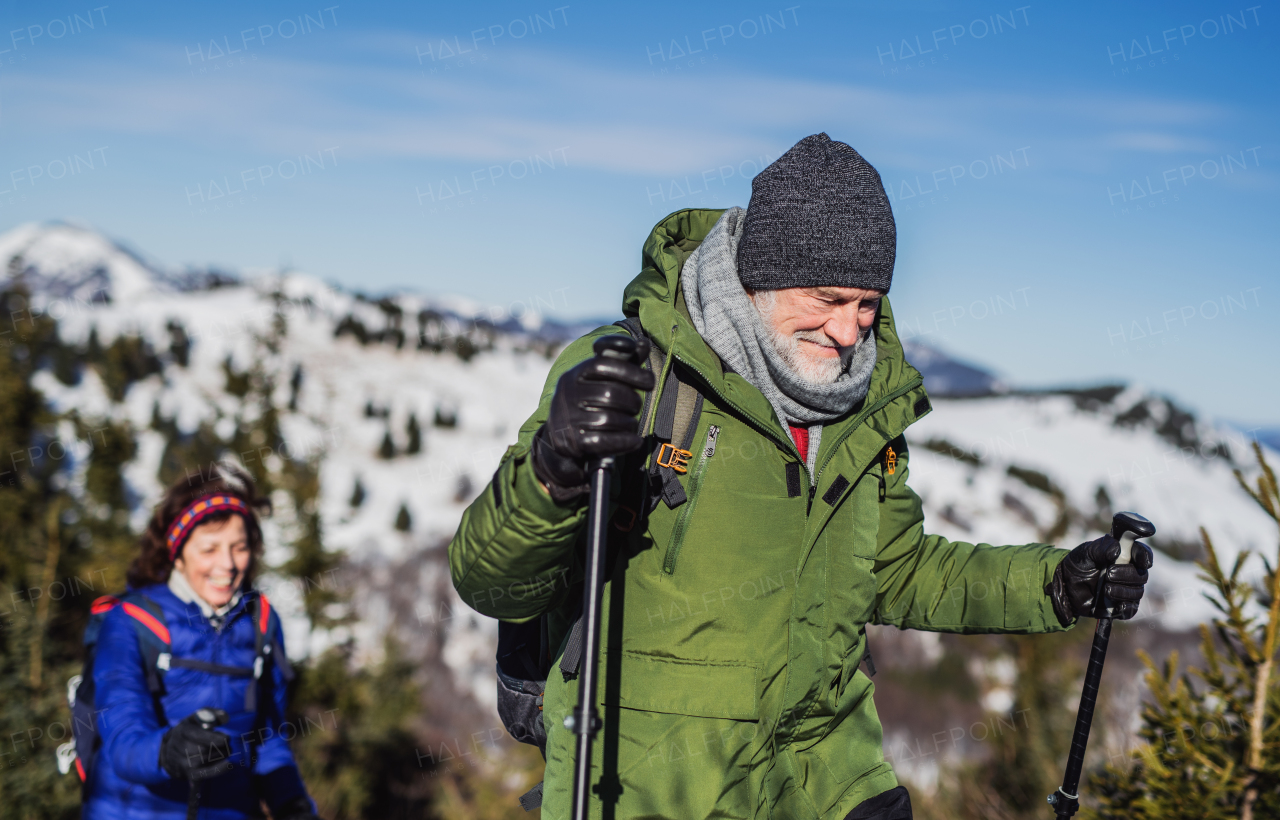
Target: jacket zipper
695,483
866,412
768,432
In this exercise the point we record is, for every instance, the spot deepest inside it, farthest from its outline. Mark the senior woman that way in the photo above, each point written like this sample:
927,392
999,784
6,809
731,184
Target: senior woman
190,673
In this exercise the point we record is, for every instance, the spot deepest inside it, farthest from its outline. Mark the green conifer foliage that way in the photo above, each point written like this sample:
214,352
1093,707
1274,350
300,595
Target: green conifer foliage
354,744
55,558
415,436
126,360
404,522
1212,735
388,447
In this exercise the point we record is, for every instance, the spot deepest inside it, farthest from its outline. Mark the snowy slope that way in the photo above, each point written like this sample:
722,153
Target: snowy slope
1085,453
975,461
71,265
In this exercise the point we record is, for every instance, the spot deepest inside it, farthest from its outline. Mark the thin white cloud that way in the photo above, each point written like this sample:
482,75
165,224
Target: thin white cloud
376,100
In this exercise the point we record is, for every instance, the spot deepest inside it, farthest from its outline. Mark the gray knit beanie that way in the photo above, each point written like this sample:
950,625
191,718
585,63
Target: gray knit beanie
818,216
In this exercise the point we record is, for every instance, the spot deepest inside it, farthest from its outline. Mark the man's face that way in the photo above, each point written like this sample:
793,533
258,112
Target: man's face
815,330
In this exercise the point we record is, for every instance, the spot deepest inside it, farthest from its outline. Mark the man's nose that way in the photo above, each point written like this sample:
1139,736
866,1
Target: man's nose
842,327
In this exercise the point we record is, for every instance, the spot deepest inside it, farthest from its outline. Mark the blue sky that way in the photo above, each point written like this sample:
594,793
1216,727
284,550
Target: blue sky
1082,191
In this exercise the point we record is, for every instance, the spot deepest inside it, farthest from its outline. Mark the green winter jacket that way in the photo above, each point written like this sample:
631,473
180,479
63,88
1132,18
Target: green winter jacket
734,624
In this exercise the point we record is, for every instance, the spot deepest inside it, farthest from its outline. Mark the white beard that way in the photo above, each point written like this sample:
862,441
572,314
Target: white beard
793,348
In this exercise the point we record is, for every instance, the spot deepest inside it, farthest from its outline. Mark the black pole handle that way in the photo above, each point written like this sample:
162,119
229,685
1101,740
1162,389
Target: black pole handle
209,718
1126,527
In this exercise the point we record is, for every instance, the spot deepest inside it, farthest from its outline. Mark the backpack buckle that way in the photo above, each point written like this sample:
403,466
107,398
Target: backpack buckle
674,458
162,661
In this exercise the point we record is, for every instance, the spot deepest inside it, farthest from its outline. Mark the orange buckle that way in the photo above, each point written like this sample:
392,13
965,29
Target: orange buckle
672,456
890,460
631,523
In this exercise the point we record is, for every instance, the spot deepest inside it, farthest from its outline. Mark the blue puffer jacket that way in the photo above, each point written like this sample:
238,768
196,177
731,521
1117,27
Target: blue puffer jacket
127,780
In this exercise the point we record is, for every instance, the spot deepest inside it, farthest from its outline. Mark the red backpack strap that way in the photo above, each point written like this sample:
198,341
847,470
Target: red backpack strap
264,615
104,604
153,637
148,620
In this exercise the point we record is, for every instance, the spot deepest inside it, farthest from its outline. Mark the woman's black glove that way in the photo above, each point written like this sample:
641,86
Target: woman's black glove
1074,590
593,414
194,750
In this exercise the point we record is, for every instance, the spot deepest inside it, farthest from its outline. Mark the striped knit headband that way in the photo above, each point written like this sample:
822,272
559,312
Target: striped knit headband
196,512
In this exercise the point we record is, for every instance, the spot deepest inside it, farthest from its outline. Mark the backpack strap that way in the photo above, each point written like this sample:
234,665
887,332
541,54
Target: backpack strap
260,614
153,640
673,420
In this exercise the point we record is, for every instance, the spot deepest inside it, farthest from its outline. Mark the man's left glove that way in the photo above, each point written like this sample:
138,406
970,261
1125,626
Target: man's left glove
593,414
1075,585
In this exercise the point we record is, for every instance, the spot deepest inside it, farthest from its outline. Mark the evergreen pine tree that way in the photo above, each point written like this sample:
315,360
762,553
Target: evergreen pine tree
415,435
404,522
357,494
446,417
388,447
295,386
1213,745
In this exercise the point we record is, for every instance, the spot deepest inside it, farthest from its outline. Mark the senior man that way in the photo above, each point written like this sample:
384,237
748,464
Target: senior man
762,519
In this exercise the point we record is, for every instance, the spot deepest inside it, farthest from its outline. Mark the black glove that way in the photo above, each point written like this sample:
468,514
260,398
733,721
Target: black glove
593,414
194,750
298,808
1074,589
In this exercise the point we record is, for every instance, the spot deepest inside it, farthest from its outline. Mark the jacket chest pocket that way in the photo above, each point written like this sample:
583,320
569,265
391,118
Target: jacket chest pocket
850,541
684,514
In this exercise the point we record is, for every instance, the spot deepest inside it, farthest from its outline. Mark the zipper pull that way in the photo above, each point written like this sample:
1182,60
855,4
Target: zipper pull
813,490
713,434
880,478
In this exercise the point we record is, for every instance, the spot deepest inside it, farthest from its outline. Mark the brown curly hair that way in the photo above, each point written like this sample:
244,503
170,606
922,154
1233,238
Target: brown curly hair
153,565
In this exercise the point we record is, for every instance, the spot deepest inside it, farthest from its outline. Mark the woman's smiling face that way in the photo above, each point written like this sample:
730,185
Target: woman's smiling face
215,560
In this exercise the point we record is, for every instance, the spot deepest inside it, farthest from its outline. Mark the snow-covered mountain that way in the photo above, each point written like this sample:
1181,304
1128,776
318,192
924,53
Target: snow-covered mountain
351,378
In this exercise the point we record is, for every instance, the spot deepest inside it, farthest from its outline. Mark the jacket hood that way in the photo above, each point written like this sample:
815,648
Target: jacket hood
655,297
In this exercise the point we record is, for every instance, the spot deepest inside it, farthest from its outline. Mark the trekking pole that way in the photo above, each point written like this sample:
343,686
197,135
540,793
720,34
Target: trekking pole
208,720
1126,527
584,721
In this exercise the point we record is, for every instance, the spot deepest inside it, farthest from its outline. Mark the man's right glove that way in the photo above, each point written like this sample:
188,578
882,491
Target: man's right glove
593,414
1074,589
190,751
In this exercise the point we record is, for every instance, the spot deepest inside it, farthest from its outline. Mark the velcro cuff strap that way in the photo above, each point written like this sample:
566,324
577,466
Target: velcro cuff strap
837,488
572,657
793,479
532,799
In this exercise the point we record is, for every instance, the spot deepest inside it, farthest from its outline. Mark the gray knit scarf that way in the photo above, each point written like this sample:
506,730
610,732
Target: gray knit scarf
728,321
